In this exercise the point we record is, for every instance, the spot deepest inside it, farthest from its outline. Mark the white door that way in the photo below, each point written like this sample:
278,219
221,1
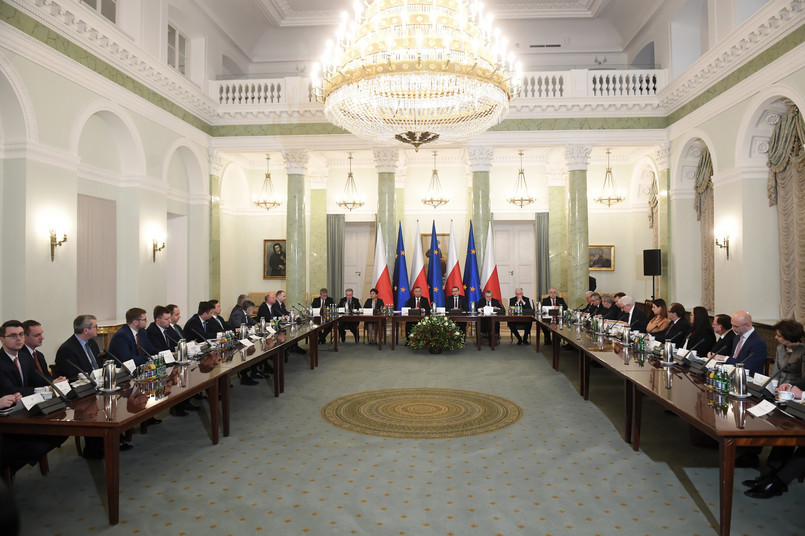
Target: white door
177,262
357,269
515,255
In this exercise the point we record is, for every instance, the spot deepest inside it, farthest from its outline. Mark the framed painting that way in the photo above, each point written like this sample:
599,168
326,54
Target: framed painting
274,265
441,241
602,258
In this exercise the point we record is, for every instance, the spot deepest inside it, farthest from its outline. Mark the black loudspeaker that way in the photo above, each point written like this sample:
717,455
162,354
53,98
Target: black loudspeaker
651,262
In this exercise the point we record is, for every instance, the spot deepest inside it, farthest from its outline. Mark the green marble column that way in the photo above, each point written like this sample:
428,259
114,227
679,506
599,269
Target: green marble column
664,287
216,170
481,209
318,239
557,238
577,230
296,227
386,163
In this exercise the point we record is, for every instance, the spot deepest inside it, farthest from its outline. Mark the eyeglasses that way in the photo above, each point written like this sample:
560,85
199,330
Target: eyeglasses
13,336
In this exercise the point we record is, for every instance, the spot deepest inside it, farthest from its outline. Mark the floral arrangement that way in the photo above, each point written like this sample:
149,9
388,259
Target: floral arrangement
436,333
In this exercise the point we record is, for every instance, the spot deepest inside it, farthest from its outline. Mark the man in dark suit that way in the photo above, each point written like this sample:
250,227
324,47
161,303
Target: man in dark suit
552,300
419,302
525,303
608,309
131,341
722,326
748,347
80,350
242,314
217,320
198,328
176,315
17,369
594,308
323,301
634,316
279,310
264,311
489,301
34,337
351,305
160,329
678,327
457,303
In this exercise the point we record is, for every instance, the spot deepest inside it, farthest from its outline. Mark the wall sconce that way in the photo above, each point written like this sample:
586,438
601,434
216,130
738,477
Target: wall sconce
157,247
54,242
724,244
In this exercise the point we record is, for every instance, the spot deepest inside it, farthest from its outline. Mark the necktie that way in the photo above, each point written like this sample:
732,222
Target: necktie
137,338
738,348
165,335
553,302
455,302
204,327
417,303
19,368
36,362
92,362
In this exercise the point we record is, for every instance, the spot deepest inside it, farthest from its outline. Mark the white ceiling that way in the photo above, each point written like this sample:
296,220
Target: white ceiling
295,30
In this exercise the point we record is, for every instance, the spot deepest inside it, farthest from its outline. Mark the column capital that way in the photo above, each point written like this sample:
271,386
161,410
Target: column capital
386,159
557,176
216,162
480,158
318,178
578,157
662,156
295,161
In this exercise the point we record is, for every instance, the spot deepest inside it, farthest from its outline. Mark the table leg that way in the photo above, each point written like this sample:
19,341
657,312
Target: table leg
492,338
555,353
539,332
275,364
587,367
212,397
478,334
635,401
726,470
334,335
378,334
582,361
223,386
313,348
311,358
281,368
111,448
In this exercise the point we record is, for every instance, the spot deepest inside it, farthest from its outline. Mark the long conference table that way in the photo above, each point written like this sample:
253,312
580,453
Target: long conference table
722,417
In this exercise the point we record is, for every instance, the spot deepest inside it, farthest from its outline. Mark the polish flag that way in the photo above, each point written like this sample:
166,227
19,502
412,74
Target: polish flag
489,274
381,271
453,270
418,276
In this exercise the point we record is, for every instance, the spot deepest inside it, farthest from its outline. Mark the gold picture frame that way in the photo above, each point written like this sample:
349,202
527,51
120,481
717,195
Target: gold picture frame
274,261
602,258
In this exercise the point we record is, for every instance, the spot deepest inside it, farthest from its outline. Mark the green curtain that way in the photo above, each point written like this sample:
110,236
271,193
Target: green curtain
543,255
703,203
704,181
335,254
785,145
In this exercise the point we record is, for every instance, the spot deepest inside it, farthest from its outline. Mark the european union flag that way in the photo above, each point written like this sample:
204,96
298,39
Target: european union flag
400,283
472,278
435,281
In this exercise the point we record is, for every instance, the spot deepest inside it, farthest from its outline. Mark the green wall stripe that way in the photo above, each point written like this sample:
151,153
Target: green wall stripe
24,23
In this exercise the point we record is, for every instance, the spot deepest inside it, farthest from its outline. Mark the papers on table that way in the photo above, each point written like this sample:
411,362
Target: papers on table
764,408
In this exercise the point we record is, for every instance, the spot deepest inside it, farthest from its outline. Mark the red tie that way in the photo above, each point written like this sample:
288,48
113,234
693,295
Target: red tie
553,302
36,361
137,338
738,348
17,362
417,304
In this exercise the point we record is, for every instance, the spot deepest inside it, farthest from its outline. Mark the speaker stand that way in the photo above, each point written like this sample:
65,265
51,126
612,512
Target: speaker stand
653,281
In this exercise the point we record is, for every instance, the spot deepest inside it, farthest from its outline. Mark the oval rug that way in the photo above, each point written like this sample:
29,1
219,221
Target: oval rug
421,413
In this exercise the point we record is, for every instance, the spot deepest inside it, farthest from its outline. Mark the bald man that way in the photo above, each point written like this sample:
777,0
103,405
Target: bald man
748,347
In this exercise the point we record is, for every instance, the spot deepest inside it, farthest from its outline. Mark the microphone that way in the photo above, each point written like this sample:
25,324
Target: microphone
79,369
776,375
143,350
56,390
303,306
113,356
203,338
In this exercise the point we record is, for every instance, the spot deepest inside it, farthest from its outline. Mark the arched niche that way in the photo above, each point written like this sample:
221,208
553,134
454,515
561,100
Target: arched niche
17,117
763,113
104,136
235,194
182,171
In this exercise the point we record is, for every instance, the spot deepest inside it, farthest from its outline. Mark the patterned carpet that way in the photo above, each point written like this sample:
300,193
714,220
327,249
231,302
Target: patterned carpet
562,469
421,413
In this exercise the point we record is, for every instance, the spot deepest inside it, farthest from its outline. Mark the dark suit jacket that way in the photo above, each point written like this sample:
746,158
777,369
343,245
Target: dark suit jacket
354,303
610,314
316,303
702,341
10,381
124,347
546,302
676,333
639,319
423,303
219,324
526,305
71,351
480,304
279,309
264,311
724,345
239,317
462,303
754,351
157,340
176,333
39,358
368,304
194,330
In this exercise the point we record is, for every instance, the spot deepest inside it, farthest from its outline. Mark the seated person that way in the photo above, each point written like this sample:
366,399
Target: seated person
722,327
595,304
525,303
632,315
17,368
552,300
321,302
678,326
242,314
416,301
608,309
489,301
217,320
264,311
278,310
748,347
700,337
80,352
159,330
199,328
373,303
351,305
131,341
790,349
457,303
587,305
17,450
34,337
658,323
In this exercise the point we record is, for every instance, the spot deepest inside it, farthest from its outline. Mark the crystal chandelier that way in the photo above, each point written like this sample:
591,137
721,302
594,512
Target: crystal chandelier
435,197
416,71
267,198
350,198
609,196
520,196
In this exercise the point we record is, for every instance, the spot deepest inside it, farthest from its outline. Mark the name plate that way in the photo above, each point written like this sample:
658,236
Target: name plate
31,400
441,310
488,310
761,409
167,356
130,366
316,311
404,311
246,343
64,387
367,311
97,375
